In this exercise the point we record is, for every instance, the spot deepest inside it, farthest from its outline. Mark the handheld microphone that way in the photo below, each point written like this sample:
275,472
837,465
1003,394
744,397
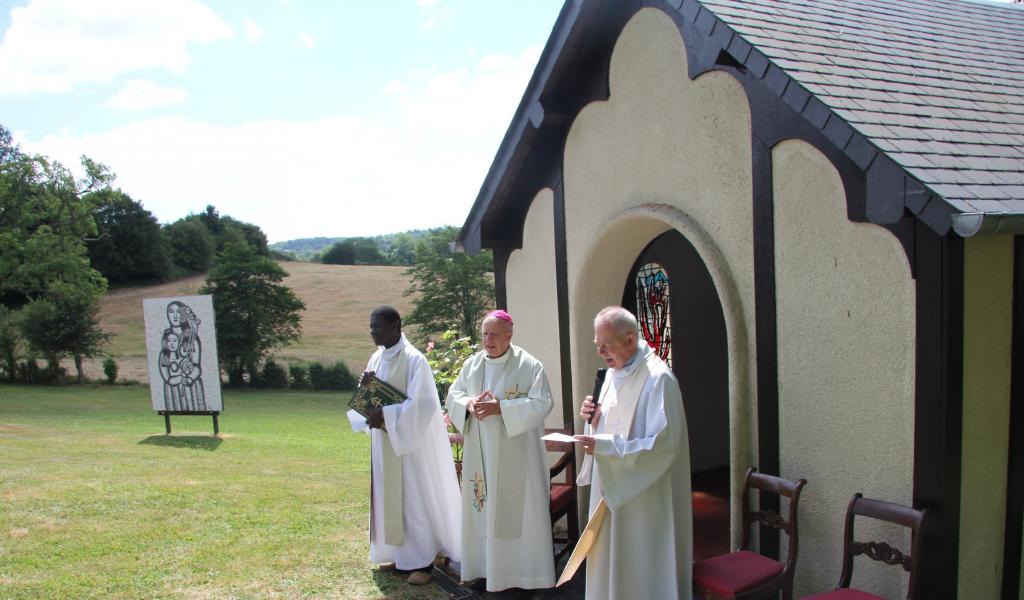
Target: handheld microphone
596,396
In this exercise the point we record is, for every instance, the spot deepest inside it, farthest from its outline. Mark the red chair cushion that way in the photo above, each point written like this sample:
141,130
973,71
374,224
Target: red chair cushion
561,495
730,574
843,594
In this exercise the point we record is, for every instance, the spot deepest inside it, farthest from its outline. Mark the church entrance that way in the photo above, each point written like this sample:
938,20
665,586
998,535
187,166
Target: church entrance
672,294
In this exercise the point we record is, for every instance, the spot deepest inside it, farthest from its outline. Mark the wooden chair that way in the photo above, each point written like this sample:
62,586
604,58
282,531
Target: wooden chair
457,439
881,551
563,495
746,575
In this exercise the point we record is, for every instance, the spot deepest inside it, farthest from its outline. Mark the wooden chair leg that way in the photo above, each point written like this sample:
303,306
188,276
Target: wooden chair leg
572,521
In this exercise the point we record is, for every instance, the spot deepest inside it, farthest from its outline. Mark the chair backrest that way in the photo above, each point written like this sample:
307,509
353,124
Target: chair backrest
881,551
769,518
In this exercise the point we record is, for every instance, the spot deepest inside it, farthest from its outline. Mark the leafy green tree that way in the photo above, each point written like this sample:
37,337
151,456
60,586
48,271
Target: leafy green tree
67,327
341,253
46,217
451,290
191,245
235,230
10,343
129,247
354,251
255,312
401,250
367,251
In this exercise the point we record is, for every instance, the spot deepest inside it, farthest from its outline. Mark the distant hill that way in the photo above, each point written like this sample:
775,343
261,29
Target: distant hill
309,248
335,324
305,248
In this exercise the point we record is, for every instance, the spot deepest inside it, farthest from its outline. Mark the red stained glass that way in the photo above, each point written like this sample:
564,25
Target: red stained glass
652,307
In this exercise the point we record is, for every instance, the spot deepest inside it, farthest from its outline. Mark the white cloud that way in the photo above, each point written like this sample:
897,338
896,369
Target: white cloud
333,177
394,87
436,13
57,45
306,40
253,32
140,94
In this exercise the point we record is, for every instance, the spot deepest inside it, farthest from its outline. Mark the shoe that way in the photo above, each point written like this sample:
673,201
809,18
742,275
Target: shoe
386,567
419,578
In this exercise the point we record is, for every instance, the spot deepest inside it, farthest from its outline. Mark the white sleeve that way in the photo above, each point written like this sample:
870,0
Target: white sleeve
458,399
629,467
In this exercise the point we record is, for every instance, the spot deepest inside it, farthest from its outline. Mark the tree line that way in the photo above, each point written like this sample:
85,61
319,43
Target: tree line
64,240
396,249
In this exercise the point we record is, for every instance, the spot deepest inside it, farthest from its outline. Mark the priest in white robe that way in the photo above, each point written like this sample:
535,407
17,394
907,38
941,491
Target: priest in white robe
499,403
637,462
414,487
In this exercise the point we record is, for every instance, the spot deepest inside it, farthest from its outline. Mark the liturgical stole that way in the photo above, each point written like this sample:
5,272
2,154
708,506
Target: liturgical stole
622,395
506,501
391,463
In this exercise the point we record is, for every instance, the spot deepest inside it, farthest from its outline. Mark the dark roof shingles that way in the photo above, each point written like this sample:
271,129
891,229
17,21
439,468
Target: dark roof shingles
936,84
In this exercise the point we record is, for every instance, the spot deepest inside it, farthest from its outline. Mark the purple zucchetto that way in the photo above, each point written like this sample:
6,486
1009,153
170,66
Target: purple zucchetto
500,314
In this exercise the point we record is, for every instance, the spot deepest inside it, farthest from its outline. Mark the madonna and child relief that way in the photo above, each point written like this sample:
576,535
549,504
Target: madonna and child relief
181,348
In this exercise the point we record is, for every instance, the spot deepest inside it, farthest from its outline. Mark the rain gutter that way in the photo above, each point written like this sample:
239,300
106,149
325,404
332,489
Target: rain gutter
977,223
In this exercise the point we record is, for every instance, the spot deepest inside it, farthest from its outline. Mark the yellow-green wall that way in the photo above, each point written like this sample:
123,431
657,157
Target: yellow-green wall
988,313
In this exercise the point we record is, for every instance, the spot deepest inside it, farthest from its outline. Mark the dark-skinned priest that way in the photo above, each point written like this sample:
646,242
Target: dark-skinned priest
413,486
637,463
499,402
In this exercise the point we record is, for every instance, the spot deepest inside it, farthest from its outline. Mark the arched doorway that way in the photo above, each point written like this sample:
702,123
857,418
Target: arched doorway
671,292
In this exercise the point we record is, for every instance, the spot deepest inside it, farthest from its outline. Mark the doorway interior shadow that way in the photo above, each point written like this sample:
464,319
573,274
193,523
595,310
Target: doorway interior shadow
192,442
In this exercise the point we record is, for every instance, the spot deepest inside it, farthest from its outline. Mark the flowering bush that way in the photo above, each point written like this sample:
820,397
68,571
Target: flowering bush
445,357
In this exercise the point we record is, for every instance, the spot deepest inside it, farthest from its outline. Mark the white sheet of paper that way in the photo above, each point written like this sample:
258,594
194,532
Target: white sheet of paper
357,421
559,437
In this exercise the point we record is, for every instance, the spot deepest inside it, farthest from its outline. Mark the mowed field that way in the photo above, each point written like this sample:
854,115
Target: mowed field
97,502
335,324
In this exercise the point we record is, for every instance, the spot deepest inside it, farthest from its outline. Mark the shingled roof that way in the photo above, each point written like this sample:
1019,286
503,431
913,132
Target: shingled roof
938,85
927,96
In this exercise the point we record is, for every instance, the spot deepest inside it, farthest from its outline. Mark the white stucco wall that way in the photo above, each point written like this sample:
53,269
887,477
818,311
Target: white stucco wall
988,324
663,152
532,296
846,331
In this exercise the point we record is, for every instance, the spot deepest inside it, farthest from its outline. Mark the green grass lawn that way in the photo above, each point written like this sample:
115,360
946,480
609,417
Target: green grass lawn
96,502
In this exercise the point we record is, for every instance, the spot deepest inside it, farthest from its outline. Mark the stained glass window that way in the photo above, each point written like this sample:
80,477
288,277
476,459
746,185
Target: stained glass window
652,309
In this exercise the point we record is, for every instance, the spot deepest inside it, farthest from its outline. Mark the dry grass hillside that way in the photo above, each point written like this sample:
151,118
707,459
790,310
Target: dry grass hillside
338,300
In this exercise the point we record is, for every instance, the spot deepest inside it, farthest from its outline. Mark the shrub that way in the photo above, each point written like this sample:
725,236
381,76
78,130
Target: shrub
445,358
273,376
338,377
110,369
316,376
331,377
297,377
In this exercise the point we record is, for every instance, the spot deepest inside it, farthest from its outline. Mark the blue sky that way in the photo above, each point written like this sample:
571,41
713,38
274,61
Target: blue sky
307,118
